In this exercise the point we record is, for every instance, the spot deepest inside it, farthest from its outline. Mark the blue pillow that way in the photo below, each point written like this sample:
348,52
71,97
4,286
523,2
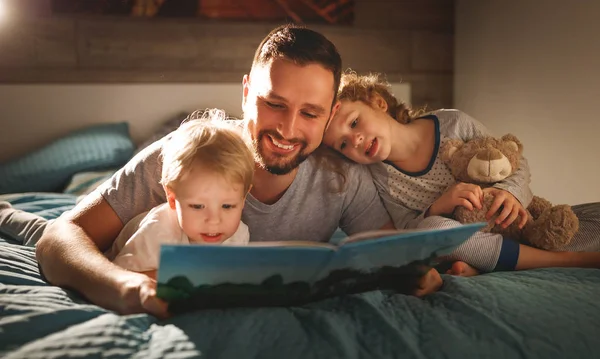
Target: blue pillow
49,168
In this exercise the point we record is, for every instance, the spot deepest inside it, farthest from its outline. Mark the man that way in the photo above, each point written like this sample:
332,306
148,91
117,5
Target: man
288,100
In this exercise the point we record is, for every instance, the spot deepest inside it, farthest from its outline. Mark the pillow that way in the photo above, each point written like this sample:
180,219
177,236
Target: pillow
48,169
85,182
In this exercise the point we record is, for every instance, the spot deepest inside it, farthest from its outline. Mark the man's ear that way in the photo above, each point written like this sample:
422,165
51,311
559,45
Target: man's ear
379,102
170,197
245,88
334,111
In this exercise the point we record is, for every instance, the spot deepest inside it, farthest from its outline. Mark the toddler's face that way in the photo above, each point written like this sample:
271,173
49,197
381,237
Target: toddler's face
360,132
209,208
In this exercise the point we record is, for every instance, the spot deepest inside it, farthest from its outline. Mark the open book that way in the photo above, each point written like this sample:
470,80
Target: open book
295,273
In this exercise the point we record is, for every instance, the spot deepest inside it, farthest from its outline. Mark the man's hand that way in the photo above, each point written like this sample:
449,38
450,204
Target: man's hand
467,195
138,295
511,208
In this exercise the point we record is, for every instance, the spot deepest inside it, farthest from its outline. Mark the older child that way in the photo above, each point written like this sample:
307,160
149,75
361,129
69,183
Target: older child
401,146
207,173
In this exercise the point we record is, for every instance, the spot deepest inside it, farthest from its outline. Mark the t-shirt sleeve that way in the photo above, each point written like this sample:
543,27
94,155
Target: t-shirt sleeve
141,251
136,187
363,209
241,237
467,128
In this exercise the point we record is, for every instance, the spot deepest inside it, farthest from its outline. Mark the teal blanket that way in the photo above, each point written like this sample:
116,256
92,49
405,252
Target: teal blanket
552,313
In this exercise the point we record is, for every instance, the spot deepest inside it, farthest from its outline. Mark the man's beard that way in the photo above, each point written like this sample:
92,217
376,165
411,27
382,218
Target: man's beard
277,164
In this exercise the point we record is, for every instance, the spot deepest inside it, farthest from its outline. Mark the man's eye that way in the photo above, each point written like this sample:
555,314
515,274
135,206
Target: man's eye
354,123
309,115
197,206
343,145
273,105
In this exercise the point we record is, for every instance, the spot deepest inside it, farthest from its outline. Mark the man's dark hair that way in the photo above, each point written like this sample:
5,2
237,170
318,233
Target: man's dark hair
302,46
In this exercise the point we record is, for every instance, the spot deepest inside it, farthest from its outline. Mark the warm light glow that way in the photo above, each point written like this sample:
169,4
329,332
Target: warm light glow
2,9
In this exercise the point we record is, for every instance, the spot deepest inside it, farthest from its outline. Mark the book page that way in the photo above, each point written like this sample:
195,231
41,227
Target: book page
398,248
368,235
292,244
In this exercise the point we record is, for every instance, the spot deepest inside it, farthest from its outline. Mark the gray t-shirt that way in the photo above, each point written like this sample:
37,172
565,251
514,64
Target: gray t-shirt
309,210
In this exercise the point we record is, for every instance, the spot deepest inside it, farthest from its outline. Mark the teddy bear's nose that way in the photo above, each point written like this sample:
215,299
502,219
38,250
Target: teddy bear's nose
489,154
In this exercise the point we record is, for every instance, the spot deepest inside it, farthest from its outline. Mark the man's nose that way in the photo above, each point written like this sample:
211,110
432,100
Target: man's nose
287,125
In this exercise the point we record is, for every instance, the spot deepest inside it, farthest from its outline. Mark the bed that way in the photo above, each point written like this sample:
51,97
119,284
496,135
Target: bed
550,313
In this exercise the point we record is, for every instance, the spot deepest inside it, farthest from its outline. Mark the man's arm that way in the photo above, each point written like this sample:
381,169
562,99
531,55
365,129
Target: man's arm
363,209
70,255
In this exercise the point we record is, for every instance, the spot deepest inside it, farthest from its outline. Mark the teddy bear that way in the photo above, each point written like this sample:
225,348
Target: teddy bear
487,160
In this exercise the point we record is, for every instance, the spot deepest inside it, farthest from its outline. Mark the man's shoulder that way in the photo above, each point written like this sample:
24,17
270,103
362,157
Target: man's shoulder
351,173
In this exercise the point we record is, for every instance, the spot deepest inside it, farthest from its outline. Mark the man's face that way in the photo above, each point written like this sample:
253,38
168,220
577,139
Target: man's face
287,107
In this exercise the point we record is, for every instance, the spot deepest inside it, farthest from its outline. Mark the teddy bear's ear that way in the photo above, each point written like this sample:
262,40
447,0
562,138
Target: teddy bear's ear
512,141
449,148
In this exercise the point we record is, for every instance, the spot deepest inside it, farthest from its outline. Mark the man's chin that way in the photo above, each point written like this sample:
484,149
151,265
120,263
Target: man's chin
281,168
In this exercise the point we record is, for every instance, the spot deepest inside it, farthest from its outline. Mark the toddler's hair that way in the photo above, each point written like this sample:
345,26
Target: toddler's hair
356,87
211,142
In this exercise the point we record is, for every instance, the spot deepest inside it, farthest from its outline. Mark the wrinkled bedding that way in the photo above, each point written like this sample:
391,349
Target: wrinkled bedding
550,313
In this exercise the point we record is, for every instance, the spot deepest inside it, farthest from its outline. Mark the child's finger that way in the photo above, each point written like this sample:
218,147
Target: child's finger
524,216
471,197
506,211
465,203
498,200
511,218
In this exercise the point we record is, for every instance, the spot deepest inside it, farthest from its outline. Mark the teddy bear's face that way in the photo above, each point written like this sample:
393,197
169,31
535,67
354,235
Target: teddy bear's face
482,160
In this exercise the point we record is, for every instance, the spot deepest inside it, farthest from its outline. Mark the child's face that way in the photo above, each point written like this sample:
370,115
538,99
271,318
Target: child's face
360,132
209,208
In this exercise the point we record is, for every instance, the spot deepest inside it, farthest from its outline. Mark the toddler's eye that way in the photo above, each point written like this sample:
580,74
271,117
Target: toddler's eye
343,145
197,206
228,206
354,123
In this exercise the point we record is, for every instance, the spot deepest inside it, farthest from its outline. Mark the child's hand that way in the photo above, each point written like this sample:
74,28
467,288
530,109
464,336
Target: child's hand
467,195
511,208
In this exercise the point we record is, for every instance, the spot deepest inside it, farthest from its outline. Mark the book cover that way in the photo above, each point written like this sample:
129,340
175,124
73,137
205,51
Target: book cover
294,273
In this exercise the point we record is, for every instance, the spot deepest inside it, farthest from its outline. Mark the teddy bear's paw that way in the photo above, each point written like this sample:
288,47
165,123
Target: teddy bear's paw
554,228
464,215
538,206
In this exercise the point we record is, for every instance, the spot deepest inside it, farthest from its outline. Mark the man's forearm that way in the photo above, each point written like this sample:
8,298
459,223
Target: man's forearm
69,258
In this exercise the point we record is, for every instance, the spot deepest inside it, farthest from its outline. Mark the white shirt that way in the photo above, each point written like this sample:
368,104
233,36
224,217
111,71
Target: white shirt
137,247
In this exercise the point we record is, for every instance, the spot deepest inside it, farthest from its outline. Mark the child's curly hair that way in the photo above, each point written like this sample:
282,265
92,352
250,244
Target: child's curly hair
356,87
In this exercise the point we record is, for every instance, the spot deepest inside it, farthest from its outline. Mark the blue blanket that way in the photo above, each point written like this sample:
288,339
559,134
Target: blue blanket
552,313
